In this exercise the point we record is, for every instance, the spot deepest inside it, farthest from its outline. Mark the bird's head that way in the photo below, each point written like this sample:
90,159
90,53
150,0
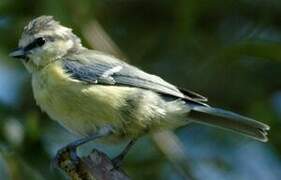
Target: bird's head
43,41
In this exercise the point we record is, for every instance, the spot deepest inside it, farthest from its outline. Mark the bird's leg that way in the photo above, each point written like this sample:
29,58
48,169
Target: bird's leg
117,161
70,149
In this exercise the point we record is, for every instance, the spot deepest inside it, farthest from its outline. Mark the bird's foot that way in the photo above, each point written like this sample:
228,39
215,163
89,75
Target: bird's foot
118,160
66,156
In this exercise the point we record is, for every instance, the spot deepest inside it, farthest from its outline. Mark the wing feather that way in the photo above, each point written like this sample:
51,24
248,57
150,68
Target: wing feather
97,68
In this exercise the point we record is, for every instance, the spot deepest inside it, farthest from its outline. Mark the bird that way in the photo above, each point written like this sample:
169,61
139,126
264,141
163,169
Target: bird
98,96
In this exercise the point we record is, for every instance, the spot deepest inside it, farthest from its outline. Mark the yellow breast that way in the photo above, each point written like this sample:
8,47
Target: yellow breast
80,107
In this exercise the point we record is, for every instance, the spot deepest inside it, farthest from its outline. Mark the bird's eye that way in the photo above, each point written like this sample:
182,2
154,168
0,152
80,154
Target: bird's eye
40,41
36,43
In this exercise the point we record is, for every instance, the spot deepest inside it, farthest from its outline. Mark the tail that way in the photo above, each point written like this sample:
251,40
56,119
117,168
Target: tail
229,120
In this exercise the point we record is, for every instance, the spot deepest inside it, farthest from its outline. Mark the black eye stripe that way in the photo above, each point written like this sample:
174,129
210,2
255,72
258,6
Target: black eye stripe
36,43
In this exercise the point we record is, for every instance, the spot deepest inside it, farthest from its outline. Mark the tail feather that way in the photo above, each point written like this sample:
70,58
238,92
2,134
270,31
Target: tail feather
229,120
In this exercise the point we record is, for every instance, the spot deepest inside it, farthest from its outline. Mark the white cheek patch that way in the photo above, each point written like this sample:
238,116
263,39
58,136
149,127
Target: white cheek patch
35,57
59,45
56,49
67,45
50,51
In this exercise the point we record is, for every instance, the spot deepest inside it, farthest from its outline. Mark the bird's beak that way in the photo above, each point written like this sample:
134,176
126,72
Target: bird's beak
18,53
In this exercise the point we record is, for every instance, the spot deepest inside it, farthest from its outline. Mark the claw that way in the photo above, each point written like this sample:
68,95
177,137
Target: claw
118,160
67,158
55,162
67,153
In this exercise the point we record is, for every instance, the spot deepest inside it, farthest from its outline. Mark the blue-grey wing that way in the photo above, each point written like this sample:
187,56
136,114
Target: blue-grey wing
107,70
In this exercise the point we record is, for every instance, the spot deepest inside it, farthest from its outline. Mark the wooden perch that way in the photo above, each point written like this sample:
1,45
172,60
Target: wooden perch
96,166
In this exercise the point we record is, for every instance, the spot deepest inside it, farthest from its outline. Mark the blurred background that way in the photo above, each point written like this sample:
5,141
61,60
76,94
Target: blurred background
229,51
